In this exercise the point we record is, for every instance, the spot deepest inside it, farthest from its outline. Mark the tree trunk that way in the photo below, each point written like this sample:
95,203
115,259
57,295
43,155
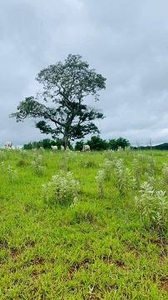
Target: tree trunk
65,140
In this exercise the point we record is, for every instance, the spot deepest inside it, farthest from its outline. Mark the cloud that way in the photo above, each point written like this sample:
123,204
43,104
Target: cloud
125,40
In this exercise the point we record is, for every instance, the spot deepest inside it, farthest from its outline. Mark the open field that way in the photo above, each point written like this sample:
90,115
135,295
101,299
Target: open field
104,236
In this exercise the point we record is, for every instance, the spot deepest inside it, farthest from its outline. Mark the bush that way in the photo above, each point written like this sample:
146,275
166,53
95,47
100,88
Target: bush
38,165
62,188
123,177
153,207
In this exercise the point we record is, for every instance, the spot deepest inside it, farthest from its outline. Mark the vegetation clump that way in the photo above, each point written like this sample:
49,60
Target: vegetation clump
62,188
153,207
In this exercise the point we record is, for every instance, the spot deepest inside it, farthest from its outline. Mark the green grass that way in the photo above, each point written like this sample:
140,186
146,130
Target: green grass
100,247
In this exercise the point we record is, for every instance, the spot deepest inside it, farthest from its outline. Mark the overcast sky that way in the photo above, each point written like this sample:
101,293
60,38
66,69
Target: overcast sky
124,40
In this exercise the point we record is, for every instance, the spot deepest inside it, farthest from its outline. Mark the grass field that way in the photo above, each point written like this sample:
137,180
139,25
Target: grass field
100,233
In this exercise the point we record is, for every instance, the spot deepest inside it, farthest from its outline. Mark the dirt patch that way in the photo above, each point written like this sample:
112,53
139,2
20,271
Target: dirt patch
37,261
164,284
95,293
108,259
14,252
131,248
93,297
73,269
77,265
35,274
30,243
111,287
86,262
120,264
3,244
162,244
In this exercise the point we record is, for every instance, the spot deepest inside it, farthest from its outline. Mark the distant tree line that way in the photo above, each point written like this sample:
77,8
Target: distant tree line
163,146
96,143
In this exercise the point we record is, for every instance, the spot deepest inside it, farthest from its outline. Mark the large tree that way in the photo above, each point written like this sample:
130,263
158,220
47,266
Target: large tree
59,109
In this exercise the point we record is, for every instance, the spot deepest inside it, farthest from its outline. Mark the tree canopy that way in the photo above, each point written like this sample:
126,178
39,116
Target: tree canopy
59,109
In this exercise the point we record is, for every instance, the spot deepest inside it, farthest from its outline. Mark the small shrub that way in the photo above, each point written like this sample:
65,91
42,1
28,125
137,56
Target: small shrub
38,165
153,207
147,164
136,174
12,173
110,154
108,168
123,177
104,174
62,188
100,178
165,177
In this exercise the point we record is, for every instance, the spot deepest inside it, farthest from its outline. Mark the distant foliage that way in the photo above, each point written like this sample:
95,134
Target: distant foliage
97,143
163,147
115,144
79,145
46,144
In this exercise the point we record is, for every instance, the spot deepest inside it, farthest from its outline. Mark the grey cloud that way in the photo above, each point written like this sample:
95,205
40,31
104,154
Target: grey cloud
124,40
